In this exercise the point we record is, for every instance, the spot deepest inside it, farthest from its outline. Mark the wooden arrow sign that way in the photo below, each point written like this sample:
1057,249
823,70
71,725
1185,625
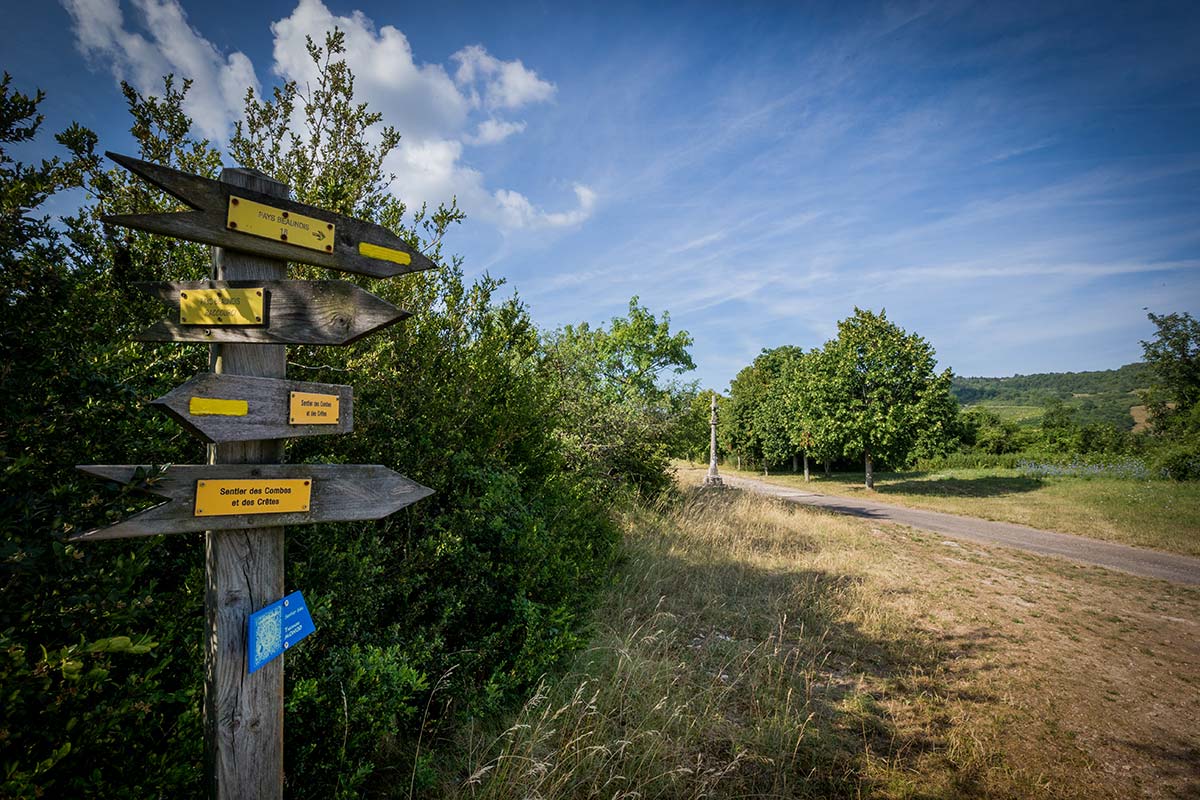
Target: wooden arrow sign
242,496
235,408
242,219
268,312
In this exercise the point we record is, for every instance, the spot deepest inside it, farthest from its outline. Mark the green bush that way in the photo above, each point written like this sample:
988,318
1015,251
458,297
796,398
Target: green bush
450,608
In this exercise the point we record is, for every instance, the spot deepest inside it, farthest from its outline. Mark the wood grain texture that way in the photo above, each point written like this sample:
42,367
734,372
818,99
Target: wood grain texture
340,493
297,312
208,224
243,571
267,407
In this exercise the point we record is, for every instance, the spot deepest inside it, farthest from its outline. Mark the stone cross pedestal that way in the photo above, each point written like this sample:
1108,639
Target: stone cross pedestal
712,478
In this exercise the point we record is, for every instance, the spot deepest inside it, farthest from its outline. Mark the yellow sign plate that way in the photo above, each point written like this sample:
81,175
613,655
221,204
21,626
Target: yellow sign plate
221,307
307,408
252,496
257,219
214,407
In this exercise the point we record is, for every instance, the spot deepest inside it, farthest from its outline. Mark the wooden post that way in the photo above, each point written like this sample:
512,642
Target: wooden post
243,713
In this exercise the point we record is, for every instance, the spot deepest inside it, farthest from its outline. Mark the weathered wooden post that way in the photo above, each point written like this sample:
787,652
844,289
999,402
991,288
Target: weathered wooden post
243,713
712,478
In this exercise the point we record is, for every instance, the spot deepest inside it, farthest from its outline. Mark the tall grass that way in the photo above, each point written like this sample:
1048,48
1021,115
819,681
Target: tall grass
738,655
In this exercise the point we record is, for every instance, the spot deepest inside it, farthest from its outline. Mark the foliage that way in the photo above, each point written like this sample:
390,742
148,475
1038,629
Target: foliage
1174,359
448,609
617,425
877,387
1099,397
693,426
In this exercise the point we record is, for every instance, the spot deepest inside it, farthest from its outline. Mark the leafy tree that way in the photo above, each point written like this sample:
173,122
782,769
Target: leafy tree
772,414
1174,400
691,438
1174,358
986,432
616,422
809,430
735,423
877,386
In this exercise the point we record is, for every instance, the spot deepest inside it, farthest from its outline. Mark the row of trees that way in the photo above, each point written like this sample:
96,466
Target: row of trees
871,394
446,611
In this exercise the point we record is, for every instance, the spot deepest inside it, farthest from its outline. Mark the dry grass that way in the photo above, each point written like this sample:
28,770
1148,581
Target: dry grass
755,649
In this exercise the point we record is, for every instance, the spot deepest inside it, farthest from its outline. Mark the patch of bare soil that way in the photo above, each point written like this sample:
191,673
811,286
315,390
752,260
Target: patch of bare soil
1089,683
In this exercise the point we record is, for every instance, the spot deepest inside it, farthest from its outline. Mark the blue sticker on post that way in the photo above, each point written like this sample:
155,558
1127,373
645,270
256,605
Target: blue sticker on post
276,628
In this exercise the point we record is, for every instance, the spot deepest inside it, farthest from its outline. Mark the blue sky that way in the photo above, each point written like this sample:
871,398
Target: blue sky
1016,182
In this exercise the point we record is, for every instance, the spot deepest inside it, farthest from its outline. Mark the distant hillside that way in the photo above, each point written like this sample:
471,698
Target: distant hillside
1101,396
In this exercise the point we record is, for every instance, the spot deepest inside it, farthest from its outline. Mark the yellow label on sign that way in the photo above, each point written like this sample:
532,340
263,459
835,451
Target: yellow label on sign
211,406
383,253
307,408
252,496
221,307
256,219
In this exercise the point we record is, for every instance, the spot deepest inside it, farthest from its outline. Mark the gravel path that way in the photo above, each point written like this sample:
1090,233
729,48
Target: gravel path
1135,560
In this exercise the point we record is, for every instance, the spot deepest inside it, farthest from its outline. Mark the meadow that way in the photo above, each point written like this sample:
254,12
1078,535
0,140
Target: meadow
1161,514
749,648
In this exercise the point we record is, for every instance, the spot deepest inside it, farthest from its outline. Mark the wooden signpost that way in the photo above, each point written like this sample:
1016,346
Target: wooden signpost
246,408
244,496
249,220
235,408
285,312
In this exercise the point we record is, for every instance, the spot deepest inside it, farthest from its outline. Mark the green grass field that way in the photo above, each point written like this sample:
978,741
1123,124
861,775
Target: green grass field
1164,515
1025,416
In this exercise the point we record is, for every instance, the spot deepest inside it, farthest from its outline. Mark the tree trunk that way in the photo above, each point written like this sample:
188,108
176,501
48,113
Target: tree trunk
806,466
827,472
739,460
795,468
870,470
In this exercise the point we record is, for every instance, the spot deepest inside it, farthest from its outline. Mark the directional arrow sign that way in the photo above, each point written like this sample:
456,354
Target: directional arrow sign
241,219
293,312
241,496
235,408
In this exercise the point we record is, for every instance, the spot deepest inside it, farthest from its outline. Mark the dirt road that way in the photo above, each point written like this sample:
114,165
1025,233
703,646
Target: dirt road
1134,560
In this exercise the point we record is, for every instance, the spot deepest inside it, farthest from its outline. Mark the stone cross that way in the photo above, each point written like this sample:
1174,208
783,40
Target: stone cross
712,478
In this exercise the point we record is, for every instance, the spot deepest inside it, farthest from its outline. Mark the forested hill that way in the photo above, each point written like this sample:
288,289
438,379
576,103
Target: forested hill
1037,389
1104,395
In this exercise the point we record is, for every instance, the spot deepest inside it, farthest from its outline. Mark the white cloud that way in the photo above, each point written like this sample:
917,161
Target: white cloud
432,112
505,84
517,212
420,100
173,46
494,131
436,114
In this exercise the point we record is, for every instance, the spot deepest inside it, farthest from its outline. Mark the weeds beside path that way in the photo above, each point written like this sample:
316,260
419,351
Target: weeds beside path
754,649
1142,561
1160,514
